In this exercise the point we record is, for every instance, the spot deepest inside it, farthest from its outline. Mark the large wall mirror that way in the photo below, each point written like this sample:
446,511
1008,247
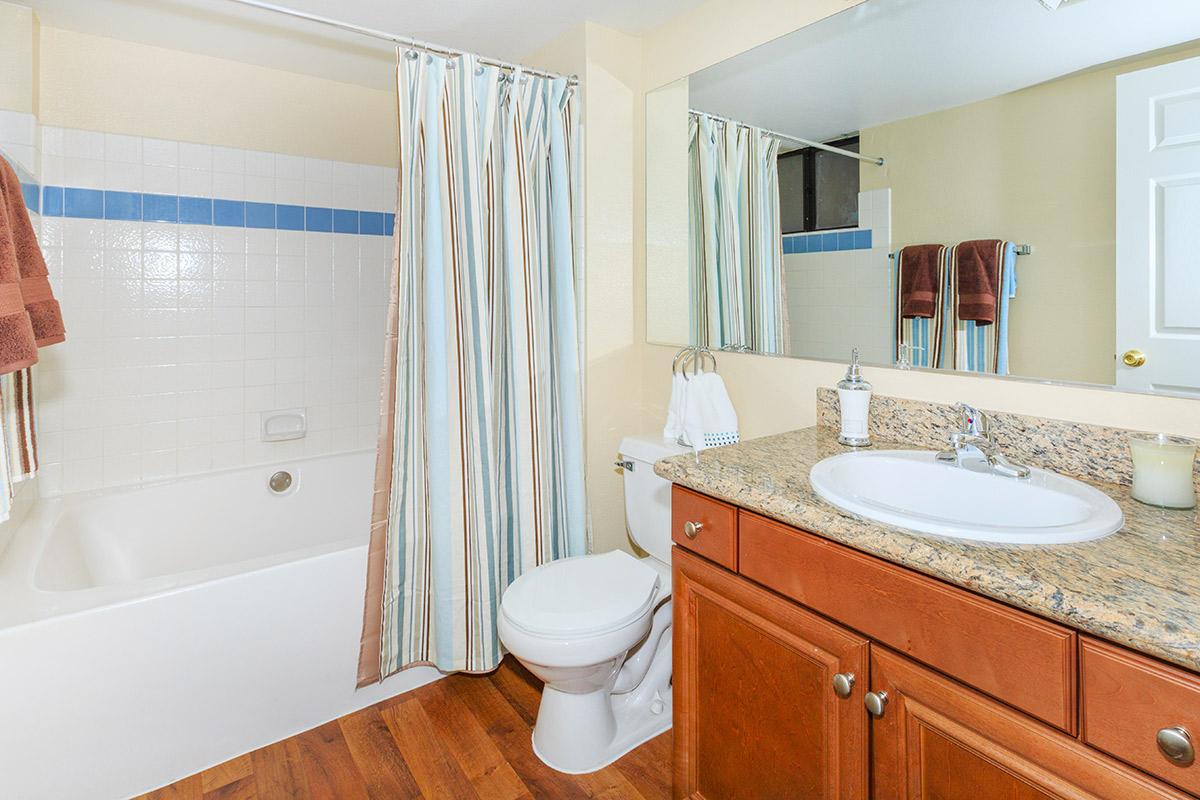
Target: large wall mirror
1007,187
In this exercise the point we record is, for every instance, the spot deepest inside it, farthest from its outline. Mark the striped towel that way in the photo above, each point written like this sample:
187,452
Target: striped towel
18,434
924,336
983,348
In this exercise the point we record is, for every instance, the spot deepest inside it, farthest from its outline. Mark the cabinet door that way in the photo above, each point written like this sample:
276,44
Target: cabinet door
938,739
756,710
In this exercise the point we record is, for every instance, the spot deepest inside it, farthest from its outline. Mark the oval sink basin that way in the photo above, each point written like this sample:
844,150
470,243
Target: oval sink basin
912,489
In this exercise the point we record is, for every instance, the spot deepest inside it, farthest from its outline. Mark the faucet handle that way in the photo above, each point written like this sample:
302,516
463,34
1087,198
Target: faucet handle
974,422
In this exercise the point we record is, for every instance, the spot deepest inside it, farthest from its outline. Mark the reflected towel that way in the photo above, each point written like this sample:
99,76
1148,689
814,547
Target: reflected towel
920,279
977,268
708,416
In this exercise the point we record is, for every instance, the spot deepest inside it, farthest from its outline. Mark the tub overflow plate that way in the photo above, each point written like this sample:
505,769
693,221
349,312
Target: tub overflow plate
280,482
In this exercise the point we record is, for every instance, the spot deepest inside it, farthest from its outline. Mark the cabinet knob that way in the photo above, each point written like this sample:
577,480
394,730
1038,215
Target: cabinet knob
692,529
1176,744
843,684
876,702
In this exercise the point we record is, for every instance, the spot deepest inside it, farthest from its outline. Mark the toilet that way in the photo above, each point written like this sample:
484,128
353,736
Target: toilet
597,630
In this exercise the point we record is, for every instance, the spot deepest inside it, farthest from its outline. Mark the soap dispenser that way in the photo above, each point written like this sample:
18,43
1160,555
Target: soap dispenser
854,398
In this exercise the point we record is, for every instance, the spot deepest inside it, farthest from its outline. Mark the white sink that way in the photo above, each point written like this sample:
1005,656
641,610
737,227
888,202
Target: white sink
912,489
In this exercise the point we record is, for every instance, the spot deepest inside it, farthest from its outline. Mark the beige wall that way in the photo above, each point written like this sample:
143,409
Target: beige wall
609,66
18,58
628,379
667,221
102,84
1036,166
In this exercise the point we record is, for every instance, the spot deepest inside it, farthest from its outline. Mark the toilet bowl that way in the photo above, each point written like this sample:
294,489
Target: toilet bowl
596,630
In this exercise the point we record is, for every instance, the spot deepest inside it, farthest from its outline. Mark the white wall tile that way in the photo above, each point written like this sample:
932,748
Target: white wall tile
195,156
122,149
289,167
182,334
160,153
259,163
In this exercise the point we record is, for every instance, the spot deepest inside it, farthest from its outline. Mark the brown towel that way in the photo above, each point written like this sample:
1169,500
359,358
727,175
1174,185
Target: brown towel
45,316
978,265
18,347
919,279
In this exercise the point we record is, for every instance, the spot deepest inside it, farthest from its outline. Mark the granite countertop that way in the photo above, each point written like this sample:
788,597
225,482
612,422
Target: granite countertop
1139,587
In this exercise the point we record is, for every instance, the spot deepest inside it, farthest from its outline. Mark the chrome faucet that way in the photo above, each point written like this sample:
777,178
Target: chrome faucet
973,447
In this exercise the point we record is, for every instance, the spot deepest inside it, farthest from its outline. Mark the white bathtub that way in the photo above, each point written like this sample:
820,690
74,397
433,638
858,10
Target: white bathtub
149,633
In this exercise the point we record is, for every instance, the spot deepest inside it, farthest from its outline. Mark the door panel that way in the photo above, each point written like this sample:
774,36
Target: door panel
939,740
1158,201
756,714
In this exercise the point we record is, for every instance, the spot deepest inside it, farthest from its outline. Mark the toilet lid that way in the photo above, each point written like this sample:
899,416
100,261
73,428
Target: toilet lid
581,596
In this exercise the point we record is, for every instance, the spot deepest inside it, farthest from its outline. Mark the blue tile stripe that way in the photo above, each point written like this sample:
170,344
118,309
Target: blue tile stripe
70,201
33,197
833,241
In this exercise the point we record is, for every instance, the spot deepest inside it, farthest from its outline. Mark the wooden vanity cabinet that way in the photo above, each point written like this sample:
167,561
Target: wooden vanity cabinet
756,711
939,739
978,701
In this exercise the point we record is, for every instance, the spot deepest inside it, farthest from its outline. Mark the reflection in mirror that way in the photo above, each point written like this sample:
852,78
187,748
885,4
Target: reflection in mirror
883,180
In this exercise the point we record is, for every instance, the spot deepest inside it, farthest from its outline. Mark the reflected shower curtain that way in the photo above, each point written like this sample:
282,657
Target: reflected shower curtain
479,474
736,241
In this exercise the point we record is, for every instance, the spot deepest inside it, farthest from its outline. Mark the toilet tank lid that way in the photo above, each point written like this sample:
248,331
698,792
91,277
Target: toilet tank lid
650,448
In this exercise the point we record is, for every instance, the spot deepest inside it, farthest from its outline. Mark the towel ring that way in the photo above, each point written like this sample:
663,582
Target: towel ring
675,360
695,357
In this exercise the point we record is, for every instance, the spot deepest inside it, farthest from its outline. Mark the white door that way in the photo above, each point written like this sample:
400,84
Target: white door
1158,228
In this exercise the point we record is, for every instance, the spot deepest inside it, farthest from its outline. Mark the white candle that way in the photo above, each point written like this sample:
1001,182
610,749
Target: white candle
1162,470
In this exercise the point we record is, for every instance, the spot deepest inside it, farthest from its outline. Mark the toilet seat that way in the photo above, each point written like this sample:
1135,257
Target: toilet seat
583,596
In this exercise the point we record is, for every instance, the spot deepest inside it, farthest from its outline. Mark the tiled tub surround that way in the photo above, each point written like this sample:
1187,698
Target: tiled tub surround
1139,587
1092,452
19,141
202,300
837,286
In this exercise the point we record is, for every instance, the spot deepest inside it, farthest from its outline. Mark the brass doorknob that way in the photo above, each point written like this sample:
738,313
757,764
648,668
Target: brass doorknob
1134,358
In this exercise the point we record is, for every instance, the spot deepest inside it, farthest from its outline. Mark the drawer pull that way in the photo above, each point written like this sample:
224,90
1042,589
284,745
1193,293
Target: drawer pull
1176,744
843,684
692,529
876,703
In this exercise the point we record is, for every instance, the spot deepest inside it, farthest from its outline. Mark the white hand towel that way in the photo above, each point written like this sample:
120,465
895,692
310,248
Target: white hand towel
674,427
708,416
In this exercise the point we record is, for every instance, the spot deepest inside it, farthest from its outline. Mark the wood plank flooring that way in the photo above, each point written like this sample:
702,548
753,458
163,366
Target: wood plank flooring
466,736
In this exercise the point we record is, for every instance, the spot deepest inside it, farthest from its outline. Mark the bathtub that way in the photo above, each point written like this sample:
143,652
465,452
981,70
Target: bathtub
149,633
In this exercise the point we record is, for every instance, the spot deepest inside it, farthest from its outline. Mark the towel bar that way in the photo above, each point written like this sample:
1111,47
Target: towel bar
1022,250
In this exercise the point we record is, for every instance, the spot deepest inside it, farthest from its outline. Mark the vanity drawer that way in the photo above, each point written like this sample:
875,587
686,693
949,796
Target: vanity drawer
1018,658
1127,698
715,531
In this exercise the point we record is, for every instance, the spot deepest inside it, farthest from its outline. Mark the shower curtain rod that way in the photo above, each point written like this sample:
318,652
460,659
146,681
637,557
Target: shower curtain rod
572,80
876,160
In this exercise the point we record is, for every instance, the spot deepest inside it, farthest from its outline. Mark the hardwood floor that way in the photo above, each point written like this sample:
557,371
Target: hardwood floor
466,736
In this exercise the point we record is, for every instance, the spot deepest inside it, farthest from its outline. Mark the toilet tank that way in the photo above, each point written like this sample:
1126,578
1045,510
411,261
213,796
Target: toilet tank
647,496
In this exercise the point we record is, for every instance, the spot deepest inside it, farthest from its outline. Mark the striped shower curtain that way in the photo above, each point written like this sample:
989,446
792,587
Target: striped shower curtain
735,237
479,474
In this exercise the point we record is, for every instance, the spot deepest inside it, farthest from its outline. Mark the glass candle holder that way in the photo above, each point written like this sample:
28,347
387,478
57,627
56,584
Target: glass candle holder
1162,470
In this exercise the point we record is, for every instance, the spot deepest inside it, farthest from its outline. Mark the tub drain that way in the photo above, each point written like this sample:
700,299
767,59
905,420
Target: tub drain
280,482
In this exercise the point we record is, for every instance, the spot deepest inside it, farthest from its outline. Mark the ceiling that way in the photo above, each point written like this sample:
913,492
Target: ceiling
886,60
506,29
